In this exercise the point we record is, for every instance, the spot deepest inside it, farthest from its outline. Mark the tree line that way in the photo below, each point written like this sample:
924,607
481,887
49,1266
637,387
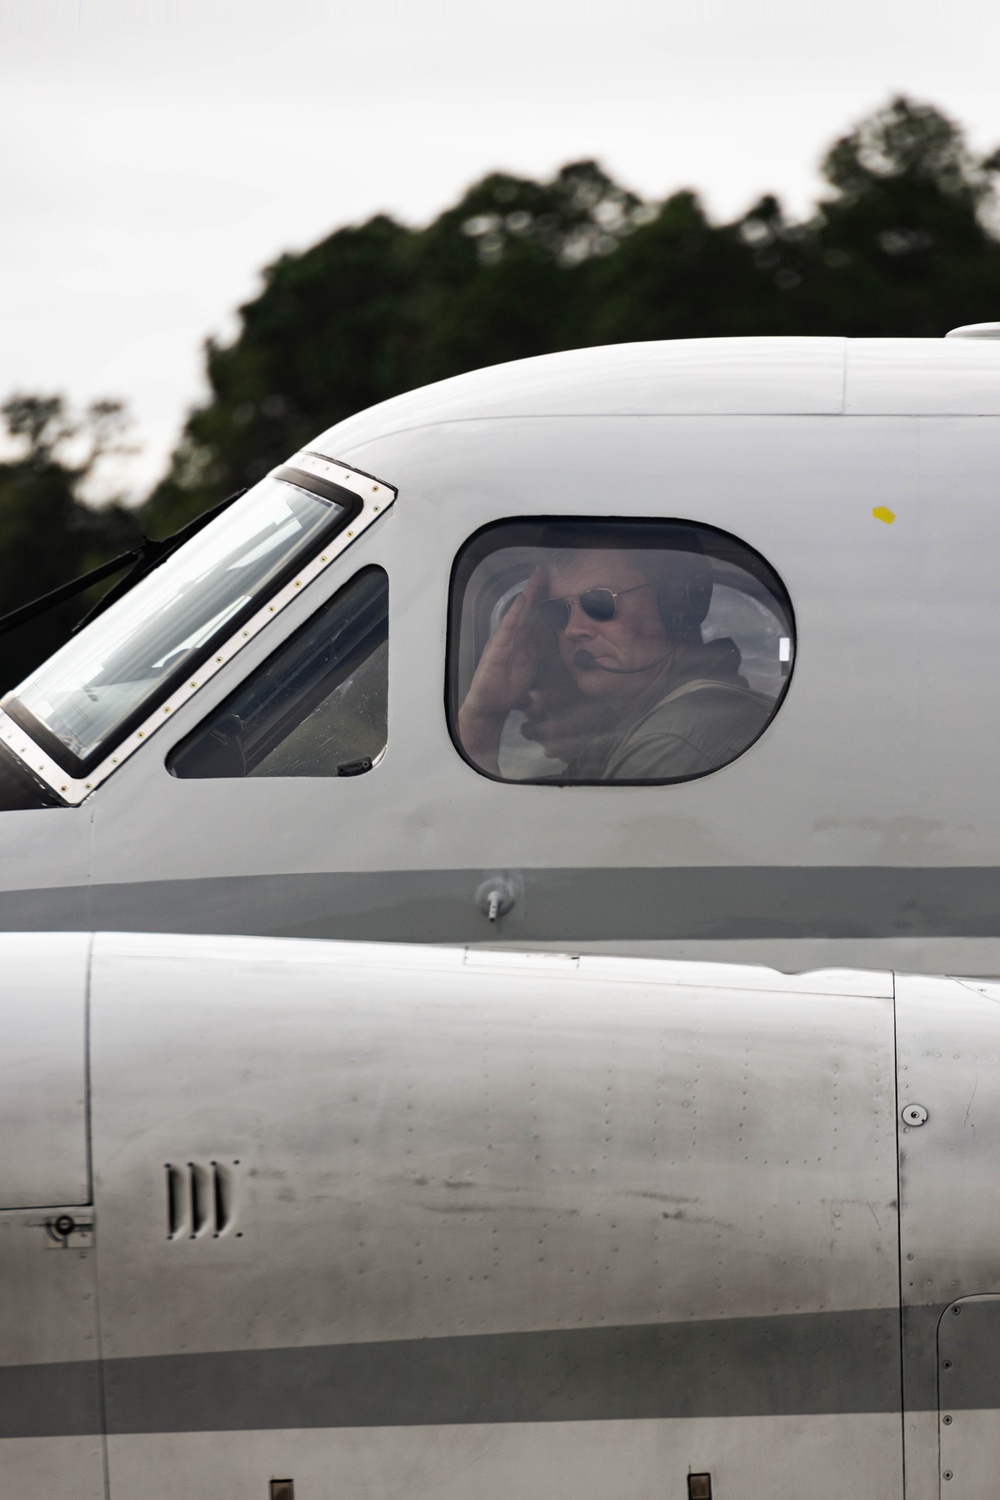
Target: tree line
904,241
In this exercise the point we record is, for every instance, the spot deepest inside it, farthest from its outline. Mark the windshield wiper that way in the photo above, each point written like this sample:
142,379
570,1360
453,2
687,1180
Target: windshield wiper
147,556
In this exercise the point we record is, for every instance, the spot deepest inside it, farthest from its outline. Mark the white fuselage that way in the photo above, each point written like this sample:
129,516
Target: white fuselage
535,1186
860,829
384,1220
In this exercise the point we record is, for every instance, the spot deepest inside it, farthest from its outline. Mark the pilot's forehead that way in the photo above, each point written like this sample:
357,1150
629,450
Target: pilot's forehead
592,567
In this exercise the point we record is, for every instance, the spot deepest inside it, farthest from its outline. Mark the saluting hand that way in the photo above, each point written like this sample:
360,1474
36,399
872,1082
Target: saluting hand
507,669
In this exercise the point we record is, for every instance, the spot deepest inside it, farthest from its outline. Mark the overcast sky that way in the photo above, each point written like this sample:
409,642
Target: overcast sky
157,153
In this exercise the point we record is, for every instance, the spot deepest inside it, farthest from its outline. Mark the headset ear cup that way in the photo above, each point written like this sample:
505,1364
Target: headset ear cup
683,608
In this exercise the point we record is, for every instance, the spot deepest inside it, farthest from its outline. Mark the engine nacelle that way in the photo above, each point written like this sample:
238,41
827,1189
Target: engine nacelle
386,1220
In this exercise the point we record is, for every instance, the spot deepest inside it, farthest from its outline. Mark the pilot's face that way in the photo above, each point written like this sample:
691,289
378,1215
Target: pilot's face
603,655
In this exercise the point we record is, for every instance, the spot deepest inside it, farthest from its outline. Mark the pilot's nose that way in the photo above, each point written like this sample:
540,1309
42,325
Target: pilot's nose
579,627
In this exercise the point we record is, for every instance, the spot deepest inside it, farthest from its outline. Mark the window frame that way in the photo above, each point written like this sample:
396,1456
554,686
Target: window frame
374,498
457,588
348,768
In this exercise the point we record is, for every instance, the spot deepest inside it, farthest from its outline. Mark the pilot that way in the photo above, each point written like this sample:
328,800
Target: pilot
641,696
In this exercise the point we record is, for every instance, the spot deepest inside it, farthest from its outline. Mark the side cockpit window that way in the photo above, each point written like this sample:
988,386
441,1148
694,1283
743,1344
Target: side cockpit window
624,651
318,706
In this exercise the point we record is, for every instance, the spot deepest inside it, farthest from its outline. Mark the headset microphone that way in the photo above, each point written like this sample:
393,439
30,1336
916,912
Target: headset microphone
587,663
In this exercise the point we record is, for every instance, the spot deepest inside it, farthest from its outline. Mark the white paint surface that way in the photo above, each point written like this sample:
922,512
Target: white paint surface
748,1457
43,1154
431,1148
56,1468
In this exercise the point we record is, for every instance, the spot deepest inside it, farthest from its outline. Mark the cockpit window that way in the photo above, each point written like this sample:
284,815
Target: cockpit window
613,651
316,707
86,698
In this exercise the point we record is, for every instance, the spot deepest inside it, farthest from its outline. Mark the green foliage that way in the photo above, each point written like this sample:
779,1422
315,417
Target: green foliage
900,246
906,234
902,243
47,535
378,308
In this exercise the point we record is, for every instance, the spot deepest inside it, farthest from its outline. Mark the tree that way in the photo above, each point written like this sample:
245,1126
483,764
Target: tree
47,534
901,245
905,238
377,309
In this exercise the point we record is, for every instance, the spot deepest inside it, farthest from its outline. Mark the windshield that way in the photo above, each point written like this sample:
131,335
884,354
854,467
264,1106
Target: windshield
83,701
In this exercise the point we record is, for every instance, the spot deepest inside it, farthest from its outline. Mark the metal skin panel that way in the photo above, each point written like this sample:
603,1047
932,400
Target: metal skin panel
969,1394
801,376
948,1038
827,1458
676,377
921,377
45,864
885,848
50,1407
56,1468
50,1396
482,1203
43,1137
859,830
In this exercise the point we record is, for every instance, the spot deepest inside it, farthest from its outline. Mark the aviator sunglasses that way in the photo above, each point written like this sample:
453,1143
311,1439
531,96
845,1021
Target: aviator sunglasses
597,604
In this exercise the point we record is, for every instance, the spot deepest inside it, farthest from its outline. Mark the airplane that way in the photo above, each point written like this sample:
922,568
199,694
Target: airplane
628,1135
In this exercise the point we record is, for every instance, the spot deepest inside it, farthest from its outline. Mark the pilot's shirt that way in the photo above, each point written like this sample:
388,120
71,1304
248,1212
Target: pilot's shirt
703,716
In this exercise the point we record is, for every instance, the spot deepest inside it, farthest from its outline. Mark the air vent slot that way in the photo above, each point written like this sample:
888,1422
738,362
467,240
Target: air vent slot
177,1202
200,1200
222,1197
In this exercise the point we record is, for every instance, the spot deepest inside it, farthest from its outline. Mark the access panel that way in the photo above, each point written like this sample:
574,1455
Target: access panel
43,1135
969,1396
390,1222
948,1039
50,1407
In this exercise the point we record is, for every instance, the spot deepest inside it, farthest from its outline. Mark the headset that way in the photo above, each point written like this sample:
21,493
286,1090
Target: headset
684,592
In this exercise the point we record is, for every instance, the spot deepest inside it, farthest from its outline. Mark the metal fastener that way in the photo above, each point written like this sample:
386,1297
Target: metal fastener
496,897
914,1115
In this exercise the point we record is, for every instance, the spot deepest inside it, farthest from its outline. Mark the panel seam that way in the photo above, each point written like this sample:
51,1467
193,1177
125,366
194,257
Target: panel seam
899,1234
98,1332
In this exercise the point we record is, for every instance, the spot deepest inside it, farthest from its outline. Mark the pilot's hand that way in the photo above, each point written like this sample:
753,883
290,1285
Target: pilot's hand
507,669
557,715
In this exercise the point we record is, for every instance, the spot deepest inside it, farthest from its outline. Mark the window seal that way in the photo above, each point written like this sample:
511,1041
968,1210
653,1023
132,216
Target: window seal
454,607
20,789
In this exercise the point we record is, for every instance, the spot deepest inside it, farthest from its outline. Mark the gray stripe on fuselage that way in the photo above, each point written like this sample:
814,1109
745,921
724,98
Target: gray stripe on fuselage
52,1400
967,1350
798,1364
553,905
